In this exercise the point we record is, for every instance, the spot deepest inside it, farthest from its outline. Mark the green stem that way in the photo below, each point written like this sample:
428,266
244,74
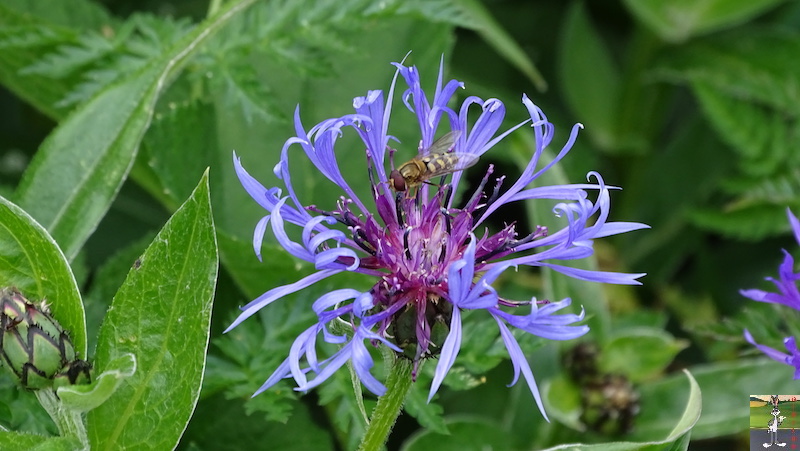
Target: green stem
389,406
70,422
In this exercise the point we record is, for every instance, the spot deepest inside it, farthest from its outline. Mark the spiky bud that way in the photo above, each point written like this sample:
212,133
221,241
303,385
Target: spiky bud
34,346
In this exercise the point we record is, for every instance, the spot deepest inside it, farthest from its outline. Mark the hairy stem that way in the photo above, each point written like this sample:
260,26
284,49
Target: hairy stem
389,406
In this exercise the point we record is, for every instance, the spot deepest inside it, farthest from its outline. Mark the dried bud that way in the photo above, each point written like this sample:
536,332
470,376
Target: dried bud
610,404
34,346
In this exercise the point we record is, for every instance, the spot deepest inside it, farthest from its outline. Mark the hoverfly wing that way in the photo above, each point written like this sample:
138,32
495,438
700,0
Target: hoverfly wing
445,143
465,160
448,163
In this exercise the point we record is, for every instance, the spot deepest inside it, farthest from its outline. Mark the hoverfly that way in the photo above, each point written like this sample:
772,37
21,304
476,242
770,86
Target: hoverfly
436,161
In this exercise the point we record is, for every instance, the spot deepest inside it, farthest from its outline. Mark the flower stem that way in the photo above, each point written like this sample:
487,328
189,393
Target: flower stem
69,422
389,406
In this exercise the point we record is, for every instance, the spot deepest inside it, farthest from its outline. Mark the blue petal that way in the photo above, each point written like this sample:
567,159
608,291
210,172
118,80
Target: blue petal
332,298
619,278
795,223
279,292
520,364
258,235
452,344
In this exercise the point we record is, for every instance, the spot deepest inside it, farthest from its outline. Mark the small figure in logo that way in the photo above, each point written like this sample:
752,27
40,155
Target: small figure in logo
772,425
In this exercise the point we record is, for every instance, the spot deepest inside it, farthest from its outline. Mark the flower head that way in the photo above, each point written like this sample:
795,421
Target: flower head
430,257
788,295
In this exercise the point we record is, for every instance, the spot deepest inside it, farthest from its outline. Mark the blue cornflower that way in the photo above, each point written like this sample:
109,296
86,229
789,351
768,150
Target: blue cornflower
788,295
430,259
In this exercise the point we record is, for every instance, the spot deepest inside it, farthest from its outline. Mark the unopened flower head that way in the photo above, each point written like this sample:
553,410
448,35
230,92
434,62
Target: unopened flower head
34,346
431,257
788,295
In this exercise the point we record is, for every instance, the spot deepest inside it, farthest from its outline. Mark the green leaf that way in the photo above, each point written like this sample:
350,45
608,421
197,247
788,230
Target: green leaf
497,37
19,441
754,221
76,14
466,432
655,195
184,128
763,137
676,21
244,89
723,413
80,167
32,261
22,44
562,401
84,398
428,414
593,99
161,314
108,278
665,404
752,64
639,353
222,423
20,410
29,30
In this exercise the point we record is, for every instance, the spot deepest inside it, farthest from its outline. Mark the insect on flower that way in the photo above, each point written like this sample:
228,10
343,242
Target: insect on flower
431,257
436,161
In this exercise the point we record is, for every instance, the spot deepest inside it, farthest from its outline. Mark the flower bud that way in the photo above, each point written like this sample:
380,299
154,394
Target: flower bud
34,346
435,321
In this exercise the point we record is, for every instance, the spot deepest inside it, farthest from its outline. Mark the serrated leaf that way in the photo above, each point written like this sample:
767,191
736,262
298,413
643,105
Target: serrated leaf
70,58
21,44
161,314
753,64
33,262
677,21
779,189
639,353
81,166
764,138
245,90
42,26
593,99
746,222
429,415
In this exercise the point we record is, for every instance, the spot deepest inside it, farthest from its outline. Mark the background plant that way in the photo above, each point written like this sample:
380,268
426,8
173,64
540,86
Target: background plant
113,111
